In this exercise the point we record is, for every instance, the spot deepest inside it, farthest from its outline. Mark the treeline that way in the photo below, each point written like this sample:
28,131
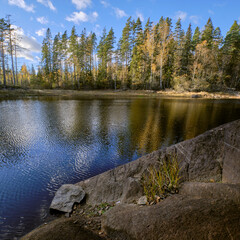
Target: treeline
156,56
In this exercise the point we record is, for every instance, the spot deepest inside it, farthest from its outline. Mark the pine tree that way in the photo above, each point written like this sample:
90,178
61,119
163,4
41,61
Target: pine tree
64,57
102,58
91,46
47,56
196,38
3,30
56,59
10,30
73,48
148,44
136,65
187,55
126,47
179,42
207,34
82,54
110,40
148,28
216,50
231,50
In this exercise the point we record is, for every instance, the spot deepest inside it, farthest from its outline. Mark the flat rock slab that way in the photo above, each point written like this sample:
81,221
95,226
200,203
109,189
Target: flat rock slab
63,229
177,217
66,196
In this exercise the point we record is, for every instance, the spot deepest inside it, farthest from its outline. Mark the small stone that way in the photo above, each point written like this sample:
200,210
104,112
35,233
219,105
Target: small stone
66,196
142,200
81,211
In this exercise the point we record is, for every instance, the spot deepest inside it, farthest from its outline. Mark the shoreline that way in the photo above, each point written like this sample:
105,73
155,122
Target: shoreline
16,93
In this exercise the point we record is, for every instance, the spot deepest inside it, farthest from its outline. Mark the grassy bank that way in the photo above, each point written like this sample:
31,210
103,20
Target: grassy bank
16,93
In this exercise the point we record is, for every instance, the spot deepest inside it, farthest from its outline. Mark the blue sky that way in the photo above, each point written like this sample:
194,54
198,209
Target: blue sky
33,17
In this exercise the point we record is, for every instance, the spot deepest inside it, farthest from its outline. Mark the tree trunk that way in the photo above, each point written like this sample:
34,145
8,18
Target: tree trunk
11,53
160,74
15,49
3,65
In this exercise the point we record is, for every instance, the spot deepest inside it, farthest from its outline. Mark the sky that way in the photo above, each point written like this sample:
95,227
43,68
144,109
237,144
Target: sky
33,17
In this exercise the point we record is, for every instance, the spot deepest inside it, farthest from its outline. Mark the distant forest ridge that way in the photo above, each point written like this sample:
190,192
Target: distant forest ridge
156,56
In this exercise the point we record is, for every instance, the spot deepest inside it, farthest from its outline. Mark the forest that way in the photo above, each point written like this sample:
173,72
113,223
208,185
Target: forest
156,56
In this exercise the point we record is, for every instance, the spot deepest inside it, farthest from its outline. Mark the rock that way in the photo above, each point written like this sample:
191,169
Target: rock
212,156
66,196
142,200
132,190
196,96
177,217
62,229
197,190
231,157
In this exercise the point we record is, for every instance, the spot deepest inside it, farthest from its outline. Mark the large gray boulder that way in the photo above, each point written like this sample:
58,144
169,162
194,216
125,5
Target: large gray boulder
231,156
213,156
199,211
66,196
177,217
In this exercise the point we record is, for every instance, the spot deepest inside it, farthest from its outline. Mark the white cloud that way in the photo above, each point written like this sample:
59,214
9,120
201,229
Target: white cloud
105,4
195,19
180,14
81,4
22,4
211,12
28,45
140,15
41,32
42,20
120,13
38,58
47,3
94,16
220,4
78,17
96,29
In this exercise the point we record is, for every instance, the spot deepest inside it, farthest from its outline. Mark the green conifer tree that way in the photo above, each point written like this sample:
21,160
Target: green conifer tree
196,38
207,34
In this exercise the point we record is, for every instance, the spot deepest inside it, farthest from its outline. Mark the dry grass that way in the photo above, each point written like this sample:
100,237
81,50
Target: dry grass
161,181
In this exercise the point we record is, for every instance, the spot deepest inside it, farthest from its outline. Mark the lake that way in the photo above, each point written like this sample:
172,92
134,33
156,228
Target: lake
49,141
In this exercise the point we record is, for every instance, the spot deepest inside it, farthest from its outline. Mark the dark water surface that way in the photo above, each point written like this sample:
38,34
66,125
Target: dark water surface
47,142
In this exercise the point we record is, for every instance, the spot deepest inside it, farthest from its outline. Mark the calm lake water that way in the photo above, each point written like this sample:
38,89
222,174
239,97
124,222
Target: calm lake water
47,142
